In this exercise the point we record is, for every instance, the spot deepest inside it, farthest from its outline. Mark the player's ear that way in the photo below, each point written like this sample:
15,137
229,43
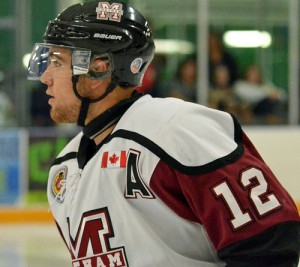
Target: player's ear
99,65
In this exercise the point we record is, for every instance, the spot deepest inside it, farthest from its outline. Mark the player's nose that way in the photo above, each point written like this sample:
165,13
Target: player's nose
46,78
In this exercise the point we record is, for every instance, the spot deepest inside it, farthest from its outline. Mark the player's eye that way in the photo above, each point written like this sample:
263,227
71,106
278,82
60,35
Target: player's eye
55,63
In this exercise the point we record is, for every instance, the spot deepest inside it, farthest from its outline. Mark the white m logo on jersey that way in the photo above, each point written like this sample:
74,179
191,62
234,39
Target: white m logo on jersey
91,246
113,12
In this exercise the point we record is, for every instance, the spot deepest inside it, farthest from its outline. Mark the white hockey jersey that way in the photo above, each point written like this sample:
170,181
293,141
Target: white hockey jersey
174,184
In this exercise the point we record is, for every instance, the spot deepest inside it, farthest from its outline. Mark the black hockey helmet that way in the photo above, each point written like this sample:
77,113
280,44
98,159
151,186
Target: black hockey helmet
112,28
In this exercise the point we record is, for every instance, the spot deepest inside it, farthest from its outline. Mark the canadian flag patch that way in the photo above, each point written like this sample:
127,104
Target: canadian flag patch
115,159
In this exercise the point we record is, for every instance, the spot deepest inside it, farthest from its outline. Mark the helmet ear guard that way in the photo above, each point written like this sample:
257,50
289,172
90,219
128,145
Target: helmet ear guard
101,66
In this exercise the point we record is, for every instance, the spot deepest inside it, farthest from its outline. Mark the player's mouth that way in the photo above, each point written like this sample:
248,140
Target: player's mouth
51,100
50,97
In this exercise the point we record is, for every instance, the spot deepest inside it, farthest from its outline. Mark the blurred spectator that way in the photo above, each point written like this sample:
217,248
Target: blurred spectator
219,56
183,85
39,107
6,106
266,101
222,97
221,94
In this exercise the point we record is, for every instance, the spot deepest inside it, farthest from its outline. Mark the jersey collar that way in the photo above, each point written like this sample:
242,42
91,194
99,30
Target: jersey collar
109,117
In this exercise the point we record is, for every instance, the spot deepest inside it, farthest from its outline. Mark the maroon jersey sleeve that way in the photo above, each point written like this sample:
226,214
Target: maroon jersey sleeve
249,217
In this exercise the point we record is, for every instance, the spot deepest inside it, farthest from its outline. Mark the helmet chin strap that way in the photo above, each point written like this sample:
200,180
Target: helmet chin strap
85,102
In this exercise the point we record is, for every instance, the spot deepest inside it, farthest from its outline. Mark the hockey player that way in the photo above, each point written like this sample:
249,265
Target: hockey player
149,181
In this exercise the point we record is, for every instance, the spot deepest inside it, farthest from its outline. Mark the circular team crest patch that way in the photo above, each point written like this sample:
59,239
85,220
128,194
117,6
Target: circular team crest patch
58,184
136,65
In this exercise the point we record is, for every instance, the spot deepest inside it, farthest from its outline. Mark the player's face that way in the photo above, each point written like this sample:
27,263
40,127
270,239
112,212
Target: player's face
64,104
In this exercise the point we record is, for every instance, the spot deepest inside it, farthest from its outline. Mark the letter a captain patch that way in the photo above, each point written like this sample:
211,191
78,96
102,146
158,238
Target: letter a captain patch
115,159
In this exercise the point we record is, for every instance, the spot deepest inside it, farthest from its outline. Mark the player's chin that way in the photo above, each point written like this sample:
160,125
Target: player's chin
58,117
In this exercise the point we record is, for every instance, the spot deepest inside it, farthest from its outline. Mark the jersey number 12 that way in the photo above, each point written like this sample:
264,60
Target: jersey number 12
263,201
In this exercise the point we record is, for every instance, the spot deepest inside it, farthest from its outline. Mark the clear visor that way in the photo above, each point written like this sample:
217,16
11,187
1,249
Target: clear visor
62,61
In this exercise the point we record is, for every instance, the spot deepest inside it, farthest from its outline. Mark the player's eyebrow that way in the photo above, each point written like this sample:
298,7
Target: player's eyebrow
56,55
